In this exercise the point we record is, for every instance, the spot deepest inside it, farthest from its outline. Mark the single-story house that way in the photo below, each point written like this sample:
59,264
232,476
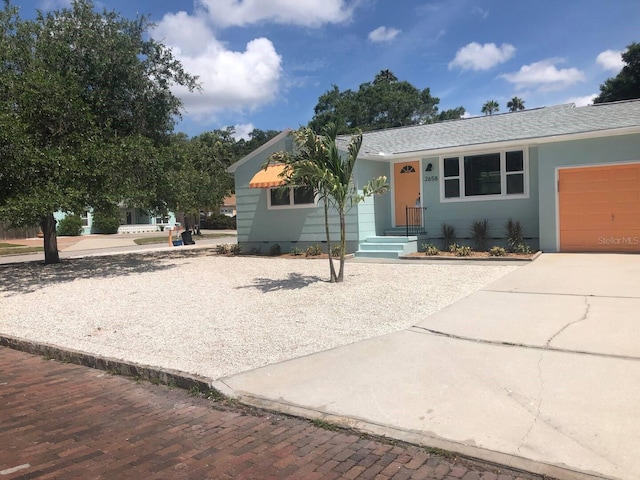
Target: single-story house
570,175
228,206
132,220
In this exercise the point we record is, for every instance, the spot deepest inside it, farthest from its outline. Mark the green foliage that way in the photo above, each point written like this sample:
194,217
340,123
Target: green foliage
336,250
314,250
235,249
463,251
453,247
218,221
383,103
626,84
223,248
513,233
497,252
480,234
69,226
106,220
296,251
490,107
86,107
430,249
522,248
275,250
448,234
515,104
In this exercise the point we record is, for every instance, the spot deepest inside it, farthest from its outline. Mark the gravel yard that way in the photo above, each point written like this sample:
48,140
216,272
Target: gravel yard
210,315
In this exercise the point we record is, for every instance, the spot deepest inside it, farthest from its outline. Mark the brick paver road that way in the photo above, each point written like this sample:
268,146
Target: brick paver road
66,421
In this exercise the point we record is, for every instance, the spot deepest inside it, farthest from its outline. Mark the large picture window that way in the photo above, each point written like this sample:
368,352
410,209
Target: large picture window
291,198
484,176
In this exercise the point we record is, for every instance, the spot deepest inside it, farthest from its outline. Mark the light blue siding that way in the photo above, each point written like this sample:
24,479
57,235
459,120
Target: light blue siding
596,151
374,213
461,214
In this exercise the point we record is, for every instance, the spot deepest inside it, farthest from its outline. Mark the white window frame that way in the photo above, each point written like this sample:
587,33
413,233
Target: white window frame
84,217
503,176
291,205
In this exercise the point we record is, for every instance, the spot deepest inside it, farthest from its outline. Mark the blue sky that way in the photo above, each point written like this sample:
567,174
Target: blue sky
264,63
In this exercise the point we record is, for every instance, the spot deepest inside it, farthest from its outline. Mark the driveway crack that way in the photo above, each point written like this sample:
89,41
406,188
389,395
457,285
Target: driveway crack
584,317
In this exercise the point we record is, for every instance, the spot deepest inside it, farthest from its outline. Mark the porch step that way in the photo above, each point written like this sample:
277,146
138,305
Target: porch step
387,247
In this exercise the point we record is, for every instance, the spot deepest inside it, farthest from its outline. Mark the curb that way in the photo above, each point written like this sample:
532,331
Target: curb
117,367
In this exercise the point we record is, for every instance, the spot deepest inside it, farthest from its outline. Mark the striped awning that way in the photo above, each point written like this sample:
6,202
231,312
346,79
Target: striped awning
268,178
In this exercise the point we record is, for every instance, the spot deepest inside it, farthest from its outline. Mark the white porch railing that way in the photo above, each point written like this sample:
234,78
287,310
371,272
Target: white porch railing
138,228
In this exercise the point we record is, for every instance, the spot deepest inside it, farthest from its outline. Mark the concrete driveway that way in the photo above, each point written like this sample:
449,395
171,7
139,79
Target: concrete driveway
540,370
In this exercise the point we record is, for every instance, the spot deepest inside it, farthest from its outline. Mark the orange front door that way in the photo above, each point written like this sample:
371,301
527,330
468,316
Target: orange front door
600,208
407,188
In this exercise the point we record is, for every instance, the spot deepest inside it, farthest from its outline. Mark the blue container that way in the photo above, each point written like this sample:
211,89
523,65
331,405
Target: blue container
177,243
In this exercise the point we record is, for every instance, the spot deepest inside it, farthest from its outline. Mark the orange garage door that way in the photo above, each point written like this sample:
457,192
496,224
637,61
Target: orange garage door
600,208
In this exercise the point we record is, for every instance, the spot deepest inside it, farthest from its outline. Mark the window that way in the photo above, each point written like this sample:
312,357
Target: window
408,169
293,197
84,216
484,176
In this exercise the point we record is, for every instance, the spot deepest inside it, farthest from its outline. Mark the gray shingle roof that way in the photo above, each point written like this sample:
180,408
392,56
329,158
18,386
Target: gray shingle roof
525,125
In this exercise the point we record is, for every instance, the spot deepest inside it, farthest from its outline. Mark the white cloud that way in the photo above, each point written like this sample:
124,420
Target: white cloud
582,101
234,80
480,12
610,60
544,75
383,34
482,57
243,130
308,13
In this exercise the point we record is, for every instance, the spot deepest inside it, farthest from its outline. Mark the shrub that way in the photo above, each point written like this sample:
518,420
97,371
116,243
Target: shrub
448,233
336,250
235,249
105,221
430,249
223,248
218,221
296,251
454,247
480,234
275,250
514,233
497,252
314,250
69,226
522,248
463,251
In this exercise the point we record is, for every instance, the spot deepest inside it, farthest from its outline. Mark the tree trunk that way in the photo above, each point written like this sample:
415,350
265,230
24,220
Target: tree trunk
48,225
343,246
332,269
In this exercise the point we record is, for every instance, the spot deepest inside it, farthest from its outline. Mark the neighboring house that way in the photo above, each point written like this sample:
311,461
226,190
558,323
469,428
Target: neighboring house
228,206
570,175
132,220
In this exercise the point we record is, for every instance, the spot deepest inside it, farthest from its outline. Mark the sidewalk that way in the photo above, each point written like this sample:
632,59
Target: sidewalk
539,370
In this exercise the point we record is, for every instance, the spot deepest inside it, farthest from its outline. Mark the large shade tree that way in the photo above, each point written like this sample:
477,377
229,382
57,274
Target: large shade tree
86,113
318,164
383,103
626,84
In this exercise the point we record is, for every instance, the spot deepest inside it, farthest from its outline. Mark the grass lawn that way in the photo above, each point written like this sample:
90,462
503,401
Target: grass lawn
13,249
150,240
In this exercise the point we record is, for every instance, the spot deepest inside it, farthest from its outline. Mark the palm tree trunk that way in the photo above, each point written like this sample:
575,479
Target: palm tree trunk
48,225
332,269
343,246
